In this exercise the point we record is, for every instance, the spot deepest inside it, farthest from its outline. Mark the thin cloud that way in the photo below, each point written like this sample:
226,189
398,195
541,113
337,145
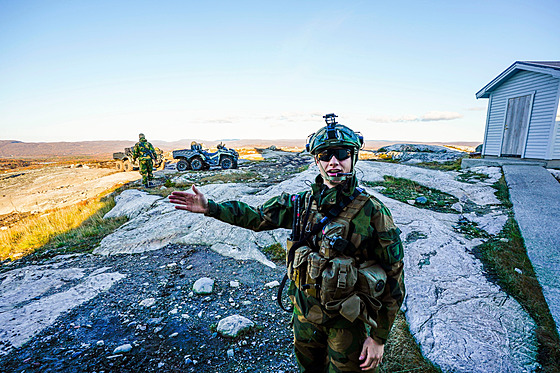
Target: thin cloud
478,108
431,116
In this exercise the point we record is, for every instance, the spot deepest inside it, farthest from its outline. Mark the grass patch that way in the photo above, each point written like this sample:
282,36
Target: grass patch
502,192
228,178
470,229
444,166
402,354
405,190
275,252
76,228
505,260
305,167
471,177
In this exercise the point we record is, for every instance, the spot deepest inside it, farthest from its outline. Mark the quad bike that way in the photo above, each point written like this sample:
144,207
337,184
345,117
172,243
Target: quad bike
197,158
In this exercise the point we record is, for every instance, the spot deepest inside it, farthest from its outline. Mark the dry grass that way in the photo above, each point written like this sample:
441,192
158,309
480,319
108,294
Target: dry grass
67,228
402,354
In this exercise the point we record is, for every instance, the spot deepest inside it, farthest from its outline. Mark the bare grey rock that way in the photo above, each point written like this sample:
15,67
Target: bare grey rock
34,313
131,203
203,286
231,326
462,322
123,349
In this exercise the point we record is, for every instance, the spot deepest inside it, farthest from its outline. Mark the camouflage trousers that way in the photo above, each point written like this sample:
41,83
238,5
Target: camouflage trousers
321,349
146,166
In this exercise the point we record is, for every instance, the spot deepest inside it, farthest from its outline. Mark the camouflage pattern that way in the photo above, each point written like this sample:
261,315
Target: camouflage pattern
146,169
375,236
145,153
323,349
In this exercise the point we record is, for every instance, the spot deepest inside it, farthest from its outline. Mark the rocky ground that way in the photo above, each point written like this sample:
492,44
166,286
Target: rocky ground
176,333
149,307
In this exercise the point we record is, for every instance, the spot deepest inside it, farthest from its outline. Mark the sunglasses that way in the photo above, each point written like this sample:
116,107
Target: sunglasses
340,154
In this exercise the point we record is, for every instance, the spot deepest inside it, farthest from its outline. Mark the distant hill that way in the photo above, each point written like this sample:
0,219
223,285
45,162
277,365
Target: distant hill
105,149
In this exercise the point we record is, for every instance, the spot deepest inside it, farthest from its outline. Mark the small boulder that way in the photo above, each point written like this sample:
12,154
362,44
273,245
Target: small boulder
122,349
148,302
232,326
203,286
272,284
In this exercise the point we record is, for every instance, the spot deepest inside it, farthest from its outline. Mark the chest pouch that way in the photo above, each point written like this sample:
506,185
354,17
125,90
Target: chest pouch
371,279
339,277
332,241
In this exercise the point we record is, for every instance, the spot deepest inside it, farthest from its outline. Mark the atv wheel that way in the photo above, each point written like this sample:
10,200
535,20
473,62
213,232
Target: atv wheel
182,165
226,163
197,164
119,165
127,166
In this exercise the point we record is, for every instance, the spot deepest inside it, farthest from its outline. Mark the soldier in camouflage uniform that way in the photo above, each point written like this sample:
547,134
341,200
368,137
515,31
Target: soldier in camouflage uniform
146,154
329,337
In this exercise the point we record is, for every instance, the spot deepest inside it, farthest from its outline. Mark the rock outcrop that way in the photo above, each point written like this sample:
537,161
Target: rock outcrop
462,321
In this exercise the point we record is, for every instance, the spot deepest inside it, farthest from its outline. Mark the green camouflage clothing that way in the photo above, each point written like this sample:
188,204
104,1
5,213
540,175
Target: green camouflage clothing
378,239
338,349
145,153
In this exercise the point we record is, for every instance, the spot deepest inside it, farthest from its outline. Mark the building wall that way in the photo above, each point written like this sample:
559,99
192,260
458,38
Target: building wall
556,145
543,112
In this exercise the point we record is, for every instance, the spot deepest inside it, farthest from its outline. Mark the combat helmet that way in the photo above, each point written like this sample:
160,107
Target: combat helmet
141,136
335,135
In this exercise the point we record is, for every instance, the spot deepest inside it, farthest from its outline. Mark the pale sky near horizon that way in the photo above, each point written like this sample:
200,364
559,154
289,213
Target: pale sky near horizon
394,70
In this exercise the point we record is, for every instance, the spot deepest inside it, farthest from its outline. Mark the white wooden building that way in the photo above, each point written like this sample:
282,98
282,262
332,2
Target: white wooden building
523,119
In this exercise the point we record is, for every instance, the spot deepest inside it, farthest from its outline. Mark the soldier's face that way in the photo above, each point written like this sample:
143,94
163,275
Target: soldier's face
332,167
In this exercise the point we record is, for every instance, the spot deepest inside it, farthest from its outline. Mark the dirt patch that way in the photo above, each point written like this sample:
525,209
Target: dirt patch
54,186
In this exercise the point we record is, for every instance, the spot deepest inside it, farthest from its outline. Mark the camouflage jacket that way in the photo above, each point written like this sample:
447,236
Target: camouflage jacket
143,149
379,239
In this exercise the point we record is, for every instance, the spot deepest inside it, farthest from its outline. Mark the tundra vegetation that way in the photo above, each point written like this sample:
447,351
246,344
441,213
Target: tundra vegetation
77,228
406,190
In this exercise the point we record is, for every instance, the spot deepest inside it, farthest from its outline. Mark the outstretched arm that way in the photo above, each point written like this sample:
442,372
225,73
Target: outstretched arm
188,201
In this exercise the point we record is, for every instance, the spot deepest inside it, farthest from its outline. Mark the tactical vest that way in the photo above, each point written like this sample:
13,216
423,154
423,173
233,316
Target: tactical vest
328,268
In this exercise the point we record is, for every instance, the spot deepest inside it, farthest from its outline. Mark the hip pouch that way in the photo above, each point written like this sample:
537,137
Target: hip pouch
371,279
339,277
298,268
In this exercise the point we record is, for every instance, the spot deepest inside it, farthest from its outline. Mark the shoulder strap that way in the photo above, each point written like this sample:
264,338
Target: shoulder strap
330,215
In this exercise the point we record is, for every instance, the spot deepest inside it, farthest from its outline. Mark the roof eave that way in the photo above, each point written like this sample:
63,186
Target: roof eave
518,65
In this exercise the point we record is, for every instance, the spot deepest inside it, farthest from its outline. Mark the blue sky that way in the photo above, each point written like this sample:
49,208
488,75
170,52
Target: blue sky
394,70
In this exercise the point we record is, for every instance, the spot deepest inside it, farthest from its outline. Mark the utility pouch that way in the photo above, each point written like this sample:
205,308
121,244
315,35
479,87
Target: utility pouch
339,277
371,279
298,268
316,263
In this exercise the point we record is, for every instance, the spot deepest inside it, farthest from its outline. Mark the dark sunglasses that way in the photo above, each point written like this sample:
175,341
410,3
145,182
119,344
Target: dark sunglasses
340,154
